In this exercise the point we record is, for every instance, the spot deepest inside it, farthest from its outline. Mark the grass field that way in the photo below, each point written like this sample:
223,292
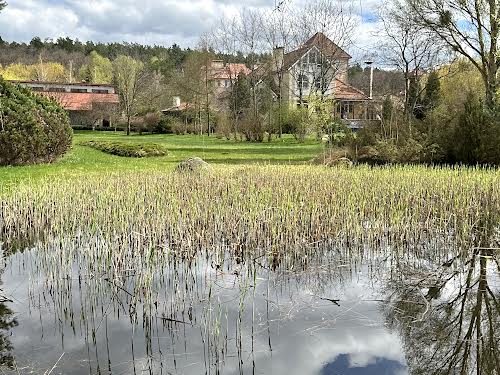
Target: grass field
84,160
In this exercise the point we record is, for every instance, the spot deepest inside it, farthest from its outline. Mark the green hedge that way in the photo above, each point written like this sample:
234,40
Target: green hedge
126,149
33,129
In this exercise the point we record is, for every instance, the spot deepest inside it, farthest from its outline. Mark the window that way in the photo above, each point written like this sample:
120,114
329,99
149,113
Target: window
321,84
303,82
37,88
100,91
58,89
313,57
346,110
78,90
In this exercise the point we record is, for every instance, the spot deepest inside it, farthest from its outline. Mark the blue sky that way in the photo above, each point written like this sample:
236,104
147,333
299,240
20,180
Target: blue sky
147,21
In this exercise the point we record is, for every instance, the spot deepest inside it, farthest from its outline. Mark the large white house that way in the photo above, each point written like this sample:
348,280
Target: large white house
319,69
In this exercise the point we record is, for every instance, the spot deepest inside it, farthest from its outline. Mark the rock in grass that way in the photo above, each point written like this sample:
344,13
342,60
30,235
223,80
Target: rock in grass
341,162
193,165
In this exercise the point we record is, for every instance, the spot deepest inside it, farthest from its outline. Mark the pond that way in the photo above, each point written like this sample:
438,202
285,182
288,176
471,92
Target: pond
329,312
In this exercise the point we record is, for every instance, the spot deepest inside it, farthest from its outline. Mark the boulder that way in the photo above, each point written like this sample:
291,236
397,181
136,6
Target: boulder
340,162
193,165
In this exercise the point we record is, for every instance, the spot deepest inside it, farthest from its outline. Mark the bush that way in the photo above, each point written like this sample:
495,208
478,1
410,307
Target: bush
252,128
151,121
133,150
164,125
33,129
476,134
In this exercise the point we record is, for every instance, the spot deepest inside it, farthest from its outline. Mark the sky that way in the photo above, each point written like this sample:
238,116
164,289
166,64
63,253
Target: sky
161,22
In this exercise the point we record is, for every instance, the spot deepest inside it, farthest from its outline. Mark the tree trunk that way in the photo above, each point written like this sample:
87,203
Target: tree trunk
491,84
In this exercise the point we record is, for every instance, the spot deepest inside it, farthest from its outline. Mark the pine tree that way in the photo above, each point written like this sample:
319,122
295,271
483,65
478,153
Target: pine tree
432,92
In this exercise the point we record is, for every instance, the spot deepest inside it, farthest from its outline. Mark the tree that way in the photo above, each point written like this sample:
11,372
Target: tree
33,128
36,43
410,48
98,70
432,91
468,27
3,4
130,77
241,95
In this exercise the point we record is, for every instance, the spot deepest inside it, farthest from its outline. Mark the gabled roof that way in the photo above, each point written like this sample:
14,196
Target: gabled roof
343,91
322,43
80,101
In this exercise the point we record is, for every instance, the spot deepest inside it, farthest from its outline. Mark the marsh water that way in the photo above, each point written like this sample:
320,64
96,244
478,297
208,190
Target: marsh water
214,313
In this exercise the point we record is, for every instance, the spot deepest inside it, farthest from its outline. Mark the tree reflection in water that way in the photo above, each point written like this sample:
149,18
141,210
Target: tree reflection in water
449,318
7,322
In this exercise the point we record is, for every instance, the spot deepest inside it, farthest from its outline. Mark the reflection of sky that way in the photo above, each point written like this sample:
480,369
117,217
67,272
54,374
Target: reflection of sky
308,335
343,365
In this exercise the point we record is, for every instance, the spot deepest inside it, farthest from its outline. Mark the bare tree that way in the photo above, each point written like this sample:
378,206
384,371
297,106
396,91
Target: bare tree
409,47
130,77
249,35
322,58
469,27
278,37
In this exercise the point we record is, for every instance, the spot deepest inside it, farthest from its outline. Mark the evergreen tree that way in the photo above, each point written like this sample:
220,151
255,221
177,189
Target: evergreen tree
432,91
36,43
241,96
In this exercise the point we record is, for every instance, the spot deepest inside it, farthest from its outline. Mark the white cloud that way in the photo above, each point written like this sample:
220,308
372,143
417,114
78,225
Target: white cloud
162,22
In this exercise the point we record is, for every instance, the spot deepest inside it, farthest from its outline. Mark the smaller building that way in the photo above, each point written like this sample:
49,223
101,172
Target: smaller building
87,104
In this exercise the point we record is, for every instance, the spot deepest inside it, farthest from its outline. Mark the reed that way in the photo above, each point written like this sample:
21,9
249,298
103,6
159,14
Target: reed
257,211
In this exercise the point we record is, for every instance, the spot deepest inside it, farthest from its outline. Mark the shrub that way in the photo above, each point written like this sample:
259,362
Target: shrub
476,134
151,121
33,129
252,128
164,125
134,150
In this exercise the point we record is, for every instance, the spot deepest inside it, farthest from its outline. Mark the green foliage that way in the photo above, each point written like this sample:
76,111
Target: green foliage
127,149
476,134
36,43
296,122
241,95
432,91
164,125
98,70
33,129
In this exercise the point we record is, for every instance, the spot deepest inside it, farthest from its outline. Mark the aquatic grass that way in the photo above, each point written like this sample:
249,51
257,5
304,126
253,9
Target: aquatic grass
256,211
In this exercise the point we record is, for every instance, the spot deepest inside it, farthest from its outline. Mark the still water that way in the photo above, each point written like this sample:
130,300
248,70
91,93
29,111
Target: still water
213,314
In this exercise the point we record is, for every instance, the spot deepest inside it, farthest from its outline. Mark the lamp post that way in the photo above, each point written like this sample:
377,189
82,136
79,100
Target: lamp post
370,64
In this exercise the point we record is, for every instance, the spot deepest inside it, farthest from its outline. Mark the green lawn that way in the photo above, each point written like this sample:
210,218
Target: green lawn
84,160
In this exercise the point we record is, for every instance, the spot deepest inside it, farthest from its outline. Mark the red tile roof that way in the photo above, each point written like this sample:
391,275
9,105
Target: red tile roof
180,108
343,91
80,101
231,71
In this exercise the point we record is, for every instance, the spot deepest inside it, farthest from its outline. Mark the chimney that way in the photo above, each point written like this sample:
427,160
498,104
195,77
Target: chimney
278,57
177,101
